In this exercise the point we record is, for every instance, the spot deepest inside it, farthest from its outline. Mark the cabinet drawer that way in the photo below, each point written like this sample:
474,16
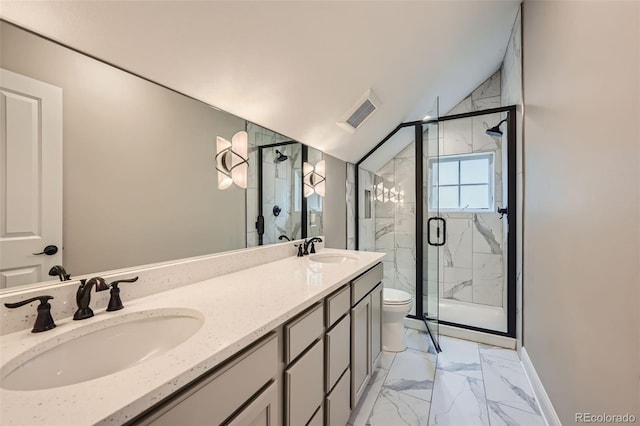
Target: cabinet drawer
262,411
337,402
302,331
337,305
337,351
303,386
213,399
362,285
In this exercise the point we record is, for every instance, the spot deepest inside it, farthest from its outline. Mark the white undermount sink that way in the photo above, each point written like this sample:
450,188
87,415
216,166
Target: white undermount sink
100,348
332,258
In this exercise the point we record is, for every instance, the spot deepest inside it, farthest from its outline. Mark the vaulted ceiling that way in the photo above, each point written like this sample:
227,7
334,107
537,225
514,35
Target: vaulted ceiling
295,67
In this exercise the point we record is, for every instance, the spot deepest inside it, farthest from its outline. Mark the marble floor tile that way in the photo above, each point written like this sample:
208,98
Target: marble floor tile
361,412
458,400
460,357
397,409
494,351
386,359
506,383
473,384
419,340
501,414
412,373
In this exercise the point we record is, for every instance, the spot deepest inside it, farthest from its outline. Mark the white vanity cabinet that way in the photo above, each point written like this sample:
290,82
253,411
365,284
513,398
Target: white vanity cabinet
366,329
241,392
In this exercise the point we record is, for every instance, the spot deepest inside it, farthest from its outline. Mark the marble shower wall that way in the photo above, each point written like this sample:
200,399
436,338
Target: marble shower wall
395,223
472,266
277,186
278,190
366,230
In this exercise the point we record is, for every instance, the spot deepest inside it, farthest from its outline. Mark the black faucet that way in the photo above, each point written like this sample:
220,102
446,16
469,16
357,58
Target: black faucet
83,296
44,320
60,272
311,243
284,237
115,303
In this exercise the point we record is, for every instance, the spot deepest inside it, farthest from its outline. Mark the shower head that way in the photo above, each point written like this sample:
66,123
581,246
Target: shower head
280,156
495,130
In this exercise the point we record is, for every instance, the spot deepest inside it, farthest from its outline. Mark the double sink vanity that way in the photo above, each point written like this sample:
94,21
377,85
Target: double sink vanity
290,340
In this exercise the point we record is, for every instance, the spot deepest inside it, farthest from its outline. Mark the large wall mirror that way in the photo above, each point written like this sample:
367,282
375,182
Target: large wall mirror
138,182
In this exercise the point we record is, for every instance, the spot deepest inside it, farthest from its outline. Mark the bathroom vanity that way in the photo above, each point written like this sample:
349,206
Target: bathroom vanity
291,341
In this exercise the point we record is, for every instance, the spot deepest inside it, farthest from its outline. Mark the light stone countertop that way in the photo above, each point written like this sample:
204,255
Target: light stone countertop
238,309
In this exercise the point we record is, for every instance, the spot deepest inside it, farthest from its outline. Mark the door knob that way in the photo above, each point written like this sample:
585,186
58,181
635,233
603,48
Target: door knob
48,250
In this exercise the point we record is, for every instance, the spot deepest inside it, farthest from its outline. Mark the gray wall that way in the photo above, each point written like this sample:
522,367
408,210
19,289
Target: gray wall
335,203
140,184
582,203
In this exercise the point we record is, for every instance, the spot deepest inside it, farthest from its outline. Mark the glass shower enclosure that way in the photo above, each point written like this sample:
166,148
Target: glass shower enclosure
433,197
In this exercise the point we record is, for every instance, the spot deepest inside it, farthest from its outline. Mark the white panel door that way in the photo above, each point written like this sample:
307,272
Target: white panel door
30,178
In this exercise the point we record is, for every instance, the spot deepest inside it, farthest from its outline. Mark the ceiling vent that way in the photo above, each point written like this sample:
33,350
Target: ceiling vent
359,113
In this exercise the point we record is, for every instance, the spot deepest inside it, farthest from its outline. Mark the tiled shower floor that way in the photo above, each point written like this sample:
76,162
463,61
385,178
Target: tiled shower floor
467,384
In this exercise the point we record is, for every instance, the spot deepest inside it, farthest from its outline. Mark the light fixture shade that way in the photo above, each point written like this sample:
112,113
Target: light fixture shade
319,180
231,160
222,149
307,169
313,178
308,191
379,190
320,169
239,167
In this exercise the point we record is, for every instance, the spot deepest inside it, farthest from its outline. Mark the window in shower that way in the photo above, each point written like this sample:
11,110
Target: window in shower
461,182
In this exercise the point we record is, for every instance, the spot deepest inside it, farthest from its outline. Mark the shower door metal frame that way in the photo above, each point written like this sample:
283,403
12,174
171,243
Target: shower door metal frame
511,215
303,215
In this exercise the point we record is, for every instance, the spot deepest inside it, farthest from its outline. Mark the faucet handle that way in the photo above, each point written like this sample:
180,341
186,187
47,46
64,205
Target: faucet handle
313,248
115,303
59,271
300,254
44,320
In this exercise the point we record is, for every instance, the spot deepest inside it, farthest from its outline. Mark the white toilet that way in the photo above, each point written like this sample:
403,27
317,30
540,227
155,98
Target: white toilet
396,304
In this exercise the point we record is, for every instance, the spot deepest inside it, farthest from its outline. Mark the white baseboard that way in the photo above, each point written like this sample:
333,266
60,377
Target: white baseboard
549,413
461,333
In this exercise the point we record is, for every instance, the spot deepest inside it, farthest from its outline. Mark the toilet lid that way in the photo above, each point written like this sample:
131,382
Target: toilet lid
392,296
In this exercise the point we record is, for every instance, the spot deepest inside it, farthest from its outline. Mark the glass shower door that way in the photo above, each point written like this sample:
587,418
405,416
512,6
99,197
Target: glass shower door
434,227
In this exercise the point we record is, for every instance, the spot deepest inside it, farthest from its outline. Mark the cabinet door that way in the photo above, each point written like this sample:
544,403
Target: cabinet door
337,409
376,325
317,419
304,386
360,348
337,352
262,411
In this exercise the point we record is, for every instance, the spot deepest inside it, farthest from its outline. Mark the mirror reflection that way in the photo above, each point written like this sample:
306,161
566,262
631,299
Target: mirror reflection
126,174
314,181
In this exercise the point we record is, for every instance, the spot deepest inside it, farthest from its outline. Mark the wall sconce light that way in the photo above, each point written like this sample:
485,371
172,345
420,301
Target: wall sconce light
384,195
314,178
231,160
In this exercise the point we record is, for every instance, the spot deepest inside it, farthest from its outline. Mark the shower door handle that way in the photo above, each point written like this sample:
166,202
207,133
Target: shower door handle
441,231
260,225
